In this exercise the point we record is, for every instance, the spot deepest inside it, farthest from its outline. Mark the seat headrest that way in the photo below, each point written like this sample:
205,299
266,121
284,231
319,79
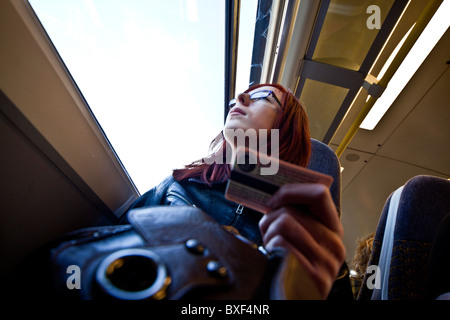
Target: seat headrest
422,205
323,159
424,202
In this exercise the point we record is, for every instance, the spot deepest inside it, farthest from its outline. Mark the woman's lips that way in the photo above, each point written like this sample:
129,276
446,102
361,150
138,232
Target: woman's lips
237,111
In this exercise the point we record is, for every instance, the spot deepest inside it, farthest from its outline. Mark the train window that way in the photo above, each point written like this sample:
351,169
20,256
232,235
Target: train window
248,13
152,72
325,99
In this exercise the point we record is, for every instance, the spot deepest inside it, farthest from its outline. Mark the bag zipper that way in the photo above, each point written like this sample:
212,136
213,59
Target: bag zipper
181,197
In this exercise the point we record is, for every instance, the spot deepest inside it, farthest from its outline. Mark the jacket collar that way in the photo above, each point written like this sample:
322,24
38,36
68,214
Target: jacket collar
197,180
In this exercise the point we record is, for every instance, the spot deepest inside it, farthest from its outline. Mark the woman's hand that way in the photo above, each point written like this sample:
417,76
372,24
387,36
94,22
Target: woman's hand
305,221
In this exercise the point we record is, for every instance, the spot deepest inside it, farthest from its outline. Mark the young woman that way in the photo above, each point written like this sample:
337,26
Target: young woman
303,220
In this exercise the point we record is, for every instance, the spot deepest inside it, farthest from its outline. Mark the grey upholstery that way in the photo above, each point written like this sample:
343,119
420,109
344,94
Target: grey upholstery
323,159
423,204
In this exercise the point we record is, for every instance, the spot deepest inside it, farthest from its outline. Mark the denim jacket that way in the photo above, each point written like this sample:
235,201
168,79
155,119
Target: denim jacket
210,199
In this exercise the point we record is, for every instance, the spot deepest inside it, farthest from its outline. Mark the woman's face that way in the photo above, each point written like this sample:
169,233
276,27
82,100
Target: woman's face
254,114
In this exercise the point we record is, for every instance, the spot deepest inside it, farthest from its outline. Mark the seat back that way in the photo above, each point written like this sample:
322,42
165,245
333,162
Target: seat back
422,204
323,159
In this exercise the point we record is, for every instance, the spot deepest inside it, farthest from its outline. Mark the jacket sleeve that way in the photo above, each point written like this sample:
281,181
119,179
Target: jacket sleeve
153,197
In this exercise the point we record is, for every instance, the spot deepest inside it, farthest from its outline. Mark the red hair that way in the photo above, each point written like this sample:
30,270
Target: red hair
294,144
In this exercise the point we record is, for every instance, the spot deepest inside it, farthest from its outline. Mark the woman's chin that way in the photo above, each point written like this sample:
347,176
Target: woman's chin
234,124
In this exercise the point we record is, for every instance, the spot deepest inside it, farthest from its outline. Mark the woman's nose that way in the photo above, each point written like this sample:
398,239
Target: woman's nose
244,99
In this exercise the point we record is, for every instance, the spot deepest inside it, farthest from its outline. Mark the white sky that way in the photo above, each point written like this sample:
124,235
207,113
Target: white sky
151,71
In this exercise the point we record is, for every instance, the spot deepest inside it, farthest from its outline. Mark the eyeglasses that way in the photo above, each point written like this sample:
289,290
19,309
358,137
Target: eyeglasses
255,96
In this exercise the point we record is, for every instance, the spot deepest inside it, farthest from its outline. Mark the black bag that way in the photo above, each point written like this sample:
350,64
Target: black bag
166,252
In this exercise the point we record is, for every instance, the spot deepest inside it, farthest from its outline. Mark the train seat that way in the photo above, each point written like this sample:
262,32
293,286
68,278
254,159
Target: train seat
323,159
403,240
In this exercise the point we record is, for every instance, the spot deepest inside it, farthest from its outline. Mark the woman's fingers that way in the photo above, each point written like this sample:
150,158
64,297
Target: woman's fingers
305,221
320,245
314,198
